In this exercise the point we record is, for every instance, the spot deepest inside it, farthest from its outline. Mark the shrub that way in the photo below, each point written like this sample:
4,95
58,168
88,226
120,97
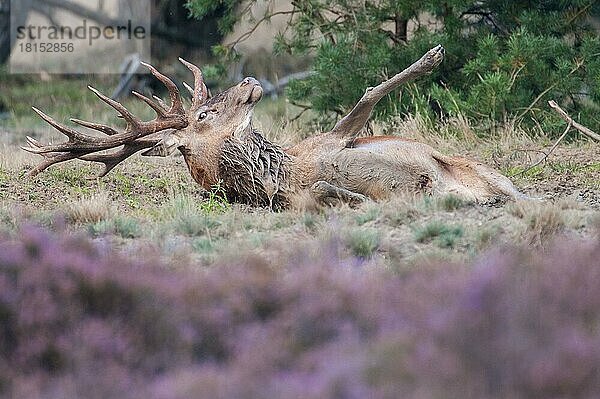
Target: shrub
79,320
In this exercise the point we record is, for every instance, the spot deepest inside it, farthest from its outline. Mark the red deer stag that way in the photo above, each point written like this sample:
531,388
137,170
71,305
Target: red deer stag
219,144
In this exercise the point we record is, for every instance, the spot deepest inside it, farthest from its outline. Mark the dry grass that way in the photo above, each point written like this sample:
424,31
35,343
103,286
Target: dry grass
542,220
92,209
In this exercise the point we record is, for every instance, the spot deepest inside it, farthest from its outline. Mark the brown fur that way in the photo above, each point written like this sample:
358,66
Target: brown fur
220,145
260,173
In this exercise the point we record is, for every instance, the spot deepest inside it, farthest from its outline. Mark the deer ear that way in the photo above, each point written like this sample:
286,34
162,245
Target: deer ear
164,147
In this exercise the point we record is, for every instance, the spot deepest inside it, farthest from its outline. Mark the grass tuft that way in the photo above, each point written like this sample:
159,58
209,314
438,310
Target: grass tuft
185,216
369,215
486,236
363,242
451,203
124,227
92,209
203,245
310,221
216,201
127,227
444,235
542,220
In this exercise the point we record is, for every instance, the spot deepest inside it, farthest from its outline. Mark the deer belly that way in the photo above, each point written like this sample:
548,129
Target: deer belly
379,172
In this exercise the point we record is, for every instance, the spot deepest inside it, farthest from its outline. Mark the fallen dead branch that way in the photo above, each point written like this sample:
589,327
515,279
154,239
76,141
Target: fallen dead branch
546,155
570,123
584,130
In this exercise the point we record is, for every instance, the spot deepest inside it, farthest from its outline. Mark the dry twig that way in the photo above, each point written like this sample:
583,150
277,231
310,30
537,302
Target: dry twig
546,155
584,130
570,123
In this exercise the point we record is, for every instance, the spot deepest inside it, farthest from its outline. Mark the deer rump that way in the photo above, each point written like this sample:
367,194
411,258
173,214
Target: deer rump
220,145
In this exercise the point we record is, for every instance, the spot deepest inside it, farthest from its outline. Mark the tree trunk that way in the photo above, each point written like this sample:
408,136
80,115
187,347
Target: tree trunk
401,28
15,17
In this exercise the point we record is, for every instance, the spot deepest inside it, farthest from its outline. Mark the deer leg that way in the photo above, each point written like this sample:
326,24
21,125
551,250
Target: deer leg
353,123
326,193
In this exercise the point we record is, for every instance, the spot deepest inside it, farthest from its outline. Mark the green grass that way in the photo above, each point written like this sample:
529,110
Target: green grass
518,171
363,242
370,214
445,236
216,201
123,226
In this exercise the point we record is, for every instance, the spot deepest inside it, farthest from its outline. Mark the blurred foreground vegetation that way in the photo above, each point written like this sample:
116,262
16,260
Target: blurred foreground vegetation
80,320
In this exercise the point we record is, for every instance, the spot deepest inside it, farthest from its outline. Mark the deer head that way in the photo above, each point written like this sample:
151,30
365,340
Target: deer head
228,114
192,131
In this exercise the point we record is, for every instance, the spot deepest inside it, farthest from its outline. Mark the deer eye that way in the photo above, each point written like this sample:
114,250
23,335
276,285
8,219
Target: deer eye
202,115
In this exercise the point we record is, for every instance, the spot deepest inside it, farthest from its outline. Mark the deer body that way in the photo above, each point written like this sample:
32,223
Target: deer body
254,171
382,166
220,145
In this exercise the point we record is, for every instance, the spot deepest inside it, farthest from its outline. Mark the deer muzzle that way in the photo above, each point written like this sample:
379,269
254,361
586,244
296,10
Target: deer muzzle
254,90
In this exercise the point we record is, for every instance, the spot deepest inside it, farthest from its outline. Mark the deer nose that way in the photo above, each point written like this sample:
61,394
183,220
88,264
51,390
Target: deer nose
249,80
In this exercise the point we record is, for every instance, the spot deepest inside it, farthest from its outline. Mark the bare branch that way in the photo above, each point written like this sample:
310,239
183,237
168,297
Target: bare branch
546,155
587,132
249,33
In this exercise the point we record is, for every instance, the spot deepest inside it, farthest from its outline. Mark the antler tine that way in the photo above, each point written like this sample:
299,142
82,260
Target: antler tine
160,101
128,116
200,92
50,160
109,131
111,160
176,102
72,134
33,142
189,88
160,111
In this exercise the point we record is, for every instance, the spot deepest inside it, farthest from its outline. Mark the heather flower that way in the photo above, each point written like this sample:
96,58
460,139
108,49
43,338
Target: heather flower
81,320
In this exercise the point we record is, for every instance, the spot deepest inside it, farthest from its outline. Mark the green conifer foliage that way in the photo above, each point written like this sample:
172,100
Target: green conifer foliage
505,58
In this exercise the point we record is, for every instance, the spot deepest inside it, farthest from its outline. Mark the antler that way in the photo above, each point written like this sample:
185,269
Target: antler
137,136
200,91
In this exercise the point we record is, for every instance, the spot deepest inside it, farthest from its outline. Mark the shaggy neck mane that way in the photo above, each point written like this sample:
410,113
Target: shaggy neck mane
255,171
